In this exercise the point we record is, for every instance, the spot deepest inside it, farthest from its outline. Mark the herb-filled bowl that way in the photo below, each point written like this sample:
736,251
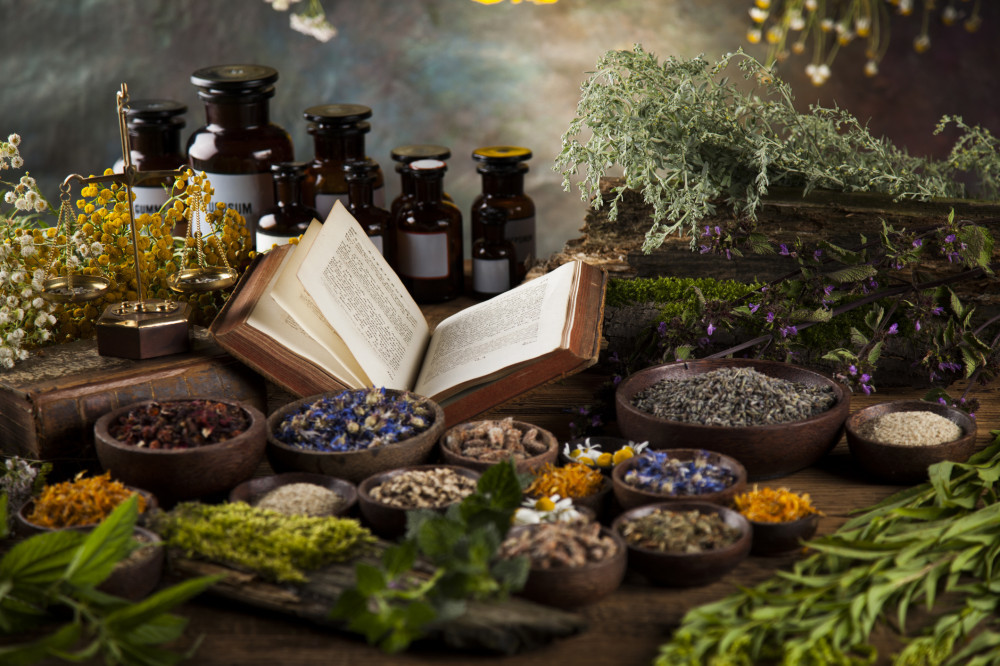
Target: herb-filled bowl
353,434
481,444
298,493
678,475
774,417
385,498
182,449
81,504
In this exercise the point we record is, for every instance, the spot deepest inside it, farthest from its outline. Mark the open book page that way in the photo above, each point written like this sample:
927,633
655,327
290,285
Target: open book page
360,295
272,320
508,329
299,305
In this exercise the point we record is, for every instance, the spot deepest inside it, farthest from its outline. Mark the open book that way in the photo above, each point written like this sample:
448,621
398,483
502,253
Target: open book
330,313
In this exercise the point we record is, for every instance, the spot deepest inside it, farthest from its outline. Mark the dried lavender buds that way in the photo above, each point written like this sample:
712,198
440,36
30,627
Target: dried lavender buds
493,441
356,419
424,489
559,545
180,424
679,531
659,472
734,397
301,499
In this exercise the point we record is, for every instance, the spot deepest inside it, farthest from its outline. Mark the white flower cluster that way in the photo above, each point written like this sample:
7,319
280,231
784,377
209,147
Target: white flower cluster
25,195
10,156
281,5
315,26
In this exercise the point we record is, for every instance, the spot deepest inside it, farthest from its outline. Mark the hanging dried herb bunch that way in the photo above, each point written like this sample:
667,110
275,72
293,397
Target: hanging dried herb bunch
181,424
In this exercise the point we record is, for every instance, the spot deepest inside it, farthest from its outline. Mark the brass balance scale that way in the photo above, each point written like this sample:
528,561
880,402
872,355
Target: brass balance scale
148,327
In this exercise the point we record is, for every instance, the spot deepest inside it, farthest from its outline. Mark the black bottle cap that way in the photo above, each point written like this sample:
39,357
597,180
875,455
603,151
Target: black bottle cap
289,169
423,151
360,169
235,80
338,115
493,215
155,112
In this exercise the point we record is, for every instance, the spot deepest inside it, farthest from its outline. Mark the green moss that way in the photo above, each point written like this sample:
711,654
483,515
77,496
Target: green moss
675,295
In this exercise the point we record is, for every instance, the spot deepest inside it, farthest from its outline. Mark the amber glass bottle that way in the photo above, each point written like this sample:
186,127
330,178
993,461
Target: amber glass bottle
239,144
154,133
503,169
404,155
494,259
338,132
361,176
289,217
429,237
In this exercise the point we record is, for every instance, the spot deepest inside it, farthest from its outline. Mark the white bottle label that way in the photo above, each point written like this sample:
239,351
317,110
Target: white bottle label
248,194
377,242
490,276
423,255
148,200
324,203
522,234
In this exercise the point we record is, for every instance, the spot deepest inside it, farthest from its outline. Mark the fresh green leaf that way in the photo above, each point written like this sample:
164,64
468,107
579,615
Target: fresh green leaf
104,546
41,559
60,640
135,615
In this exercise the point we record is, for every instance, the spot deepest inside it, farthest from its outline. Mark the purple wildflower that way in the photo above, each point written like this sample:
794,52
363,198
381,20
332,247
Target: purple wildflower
851,369
754,307
770,317
784,250
917,243
950,238
893,330
865,378
710,329
867,389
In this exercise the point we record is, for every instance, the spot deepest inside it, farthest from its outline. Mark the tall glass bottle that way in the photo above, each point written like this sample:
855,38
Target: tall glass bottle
503,169
154,131
429,237
494,259
239,144
289,217
338,132
361,176
403,155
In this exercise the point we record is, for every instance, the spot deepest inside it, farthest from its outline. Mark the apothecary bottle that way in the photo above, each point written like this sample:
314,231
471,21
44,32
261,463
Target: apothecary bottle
154,132
502,169
338,132
289,217
361,176
494,258
404,155
238,145
428,233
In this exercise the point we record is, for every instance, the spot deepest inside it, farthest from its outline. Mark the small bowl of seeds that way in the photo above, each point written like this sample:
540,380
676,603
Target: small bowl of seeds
353,434
677,475
298,494
480,444
684,544
571,563
775,418
384,498
896,441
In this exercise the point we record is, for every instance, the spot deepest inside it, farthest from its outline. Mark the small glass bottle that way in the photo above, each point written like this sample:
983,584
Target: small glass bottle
494,258
289,218
361,176
503,169
239,144
154,132
404,155
338,132
429,237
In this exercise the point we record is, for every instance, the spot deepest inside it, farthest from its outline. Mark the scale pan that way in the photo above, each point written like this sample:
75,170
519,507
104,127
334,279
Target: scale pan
74,288
194,280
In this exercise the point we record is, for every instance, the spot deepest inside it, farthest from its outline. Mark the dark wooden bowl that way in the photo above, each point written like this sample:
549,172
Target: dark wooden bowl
629,496
353,466
908,464
571,587
252,490
26,528
780,538
135,578
390,521
608,445
767,451
522,466
175,475
596,505
687,569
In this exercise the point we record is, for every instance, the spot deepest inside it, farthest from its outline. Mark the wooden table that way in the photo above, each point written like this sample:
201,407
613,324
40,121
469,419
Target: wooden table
625,628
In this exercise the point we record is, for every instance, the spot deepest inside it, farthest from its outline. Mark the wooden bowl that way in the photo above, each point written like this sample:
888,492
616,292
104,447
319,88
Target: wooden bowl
175,475
571,587
136,576
781,538
353,466
390,521
522,466
629,496
687,569
26,528
767,451
596,506
908,464
253,490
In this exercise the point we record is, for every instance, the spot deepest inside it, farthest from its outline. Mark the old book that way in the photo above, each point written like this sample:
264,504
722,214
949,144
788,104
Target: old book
330,313
49,403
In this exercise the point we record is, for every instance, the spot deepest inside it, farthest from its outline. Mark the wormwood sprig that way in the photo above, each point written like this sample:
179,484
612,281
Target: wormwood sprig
910,549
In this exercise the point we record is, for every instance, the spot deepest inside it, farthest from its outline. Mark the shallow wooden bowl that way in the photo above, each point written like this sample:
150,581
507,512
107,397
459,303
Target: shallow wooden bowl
687,569
175,475
26,528
767,451
572,587
780,538
252,490
353,466
390,521
629,496
908,464
522,466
